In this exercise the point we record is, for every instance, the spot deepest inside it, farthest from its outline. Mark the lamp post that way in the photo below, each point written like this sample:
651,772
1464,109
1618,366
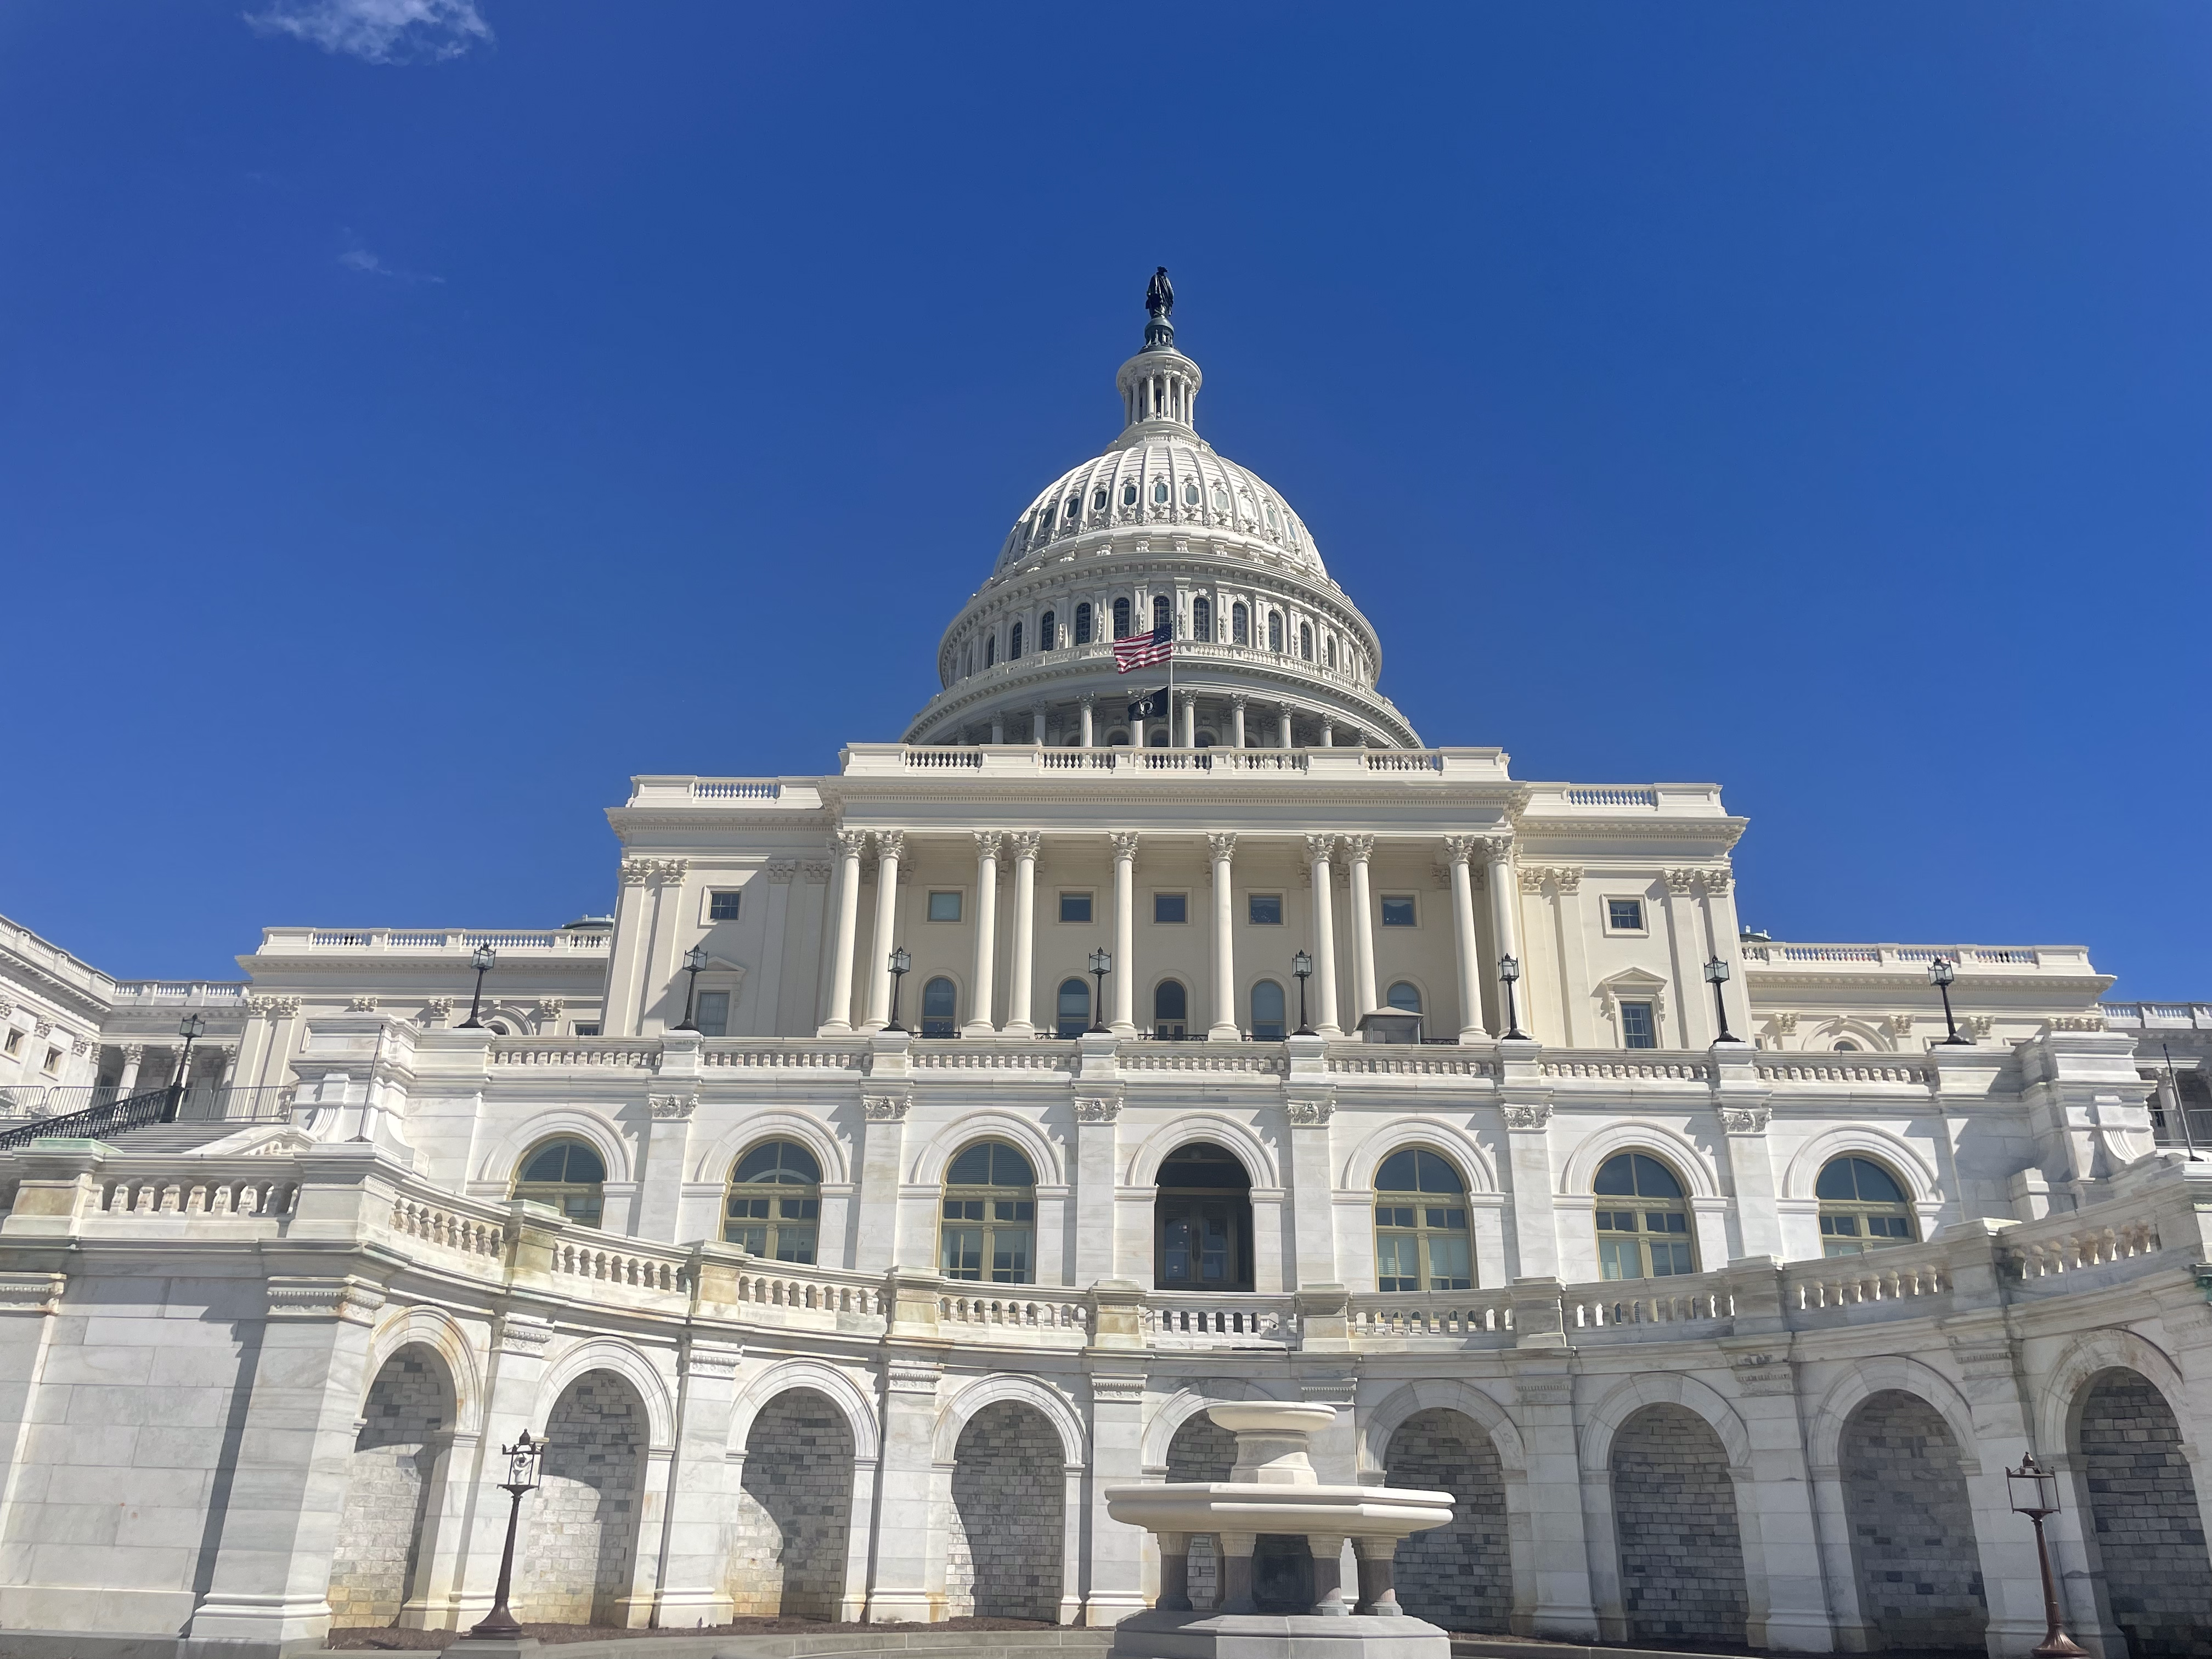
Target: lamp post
1101,963
522,1458
484,959
1717,973
1509,970
190,1027
2034,1492
694,959
1302,969
900,962
1941,973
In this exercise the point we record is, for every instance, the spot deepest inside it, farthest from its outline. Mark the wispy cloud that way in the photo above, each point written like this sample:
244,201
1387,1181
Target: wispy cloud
357,258
377,31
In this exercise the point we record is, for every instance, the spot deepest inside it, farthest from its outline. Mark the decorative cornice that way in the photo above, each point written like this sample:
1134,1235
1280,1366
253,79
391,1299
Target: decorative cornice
31,1293
711,1360
355,1301
524,1336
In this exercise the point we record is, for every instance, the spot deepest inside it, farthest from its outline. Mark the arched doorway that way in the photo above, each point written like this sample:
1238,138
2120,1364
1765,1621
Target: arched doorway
2149,1531
1912,1525
1202,1450
795,1509
390,1481
1459,1576
580,1563
1009,1502
1202,1221
1675,1519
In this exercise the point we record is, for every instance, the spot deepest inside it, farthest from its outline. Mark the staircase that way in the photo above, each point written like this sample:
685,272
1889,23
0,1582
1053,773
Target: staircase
172,1137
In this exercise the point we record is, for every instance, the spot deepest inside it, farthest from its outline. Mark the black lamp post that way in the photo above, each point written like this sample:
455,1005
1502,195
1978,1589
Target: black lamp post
900,962
521,1469
1717,973
1509,970
484,959
1101,963
694,959
1941,973
188,1028
2035,1494
1302,969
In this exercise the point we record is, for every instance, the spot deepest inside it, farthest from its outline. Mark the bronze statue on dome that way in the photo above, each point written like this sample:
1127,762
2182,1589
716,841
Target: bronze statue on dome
1159,296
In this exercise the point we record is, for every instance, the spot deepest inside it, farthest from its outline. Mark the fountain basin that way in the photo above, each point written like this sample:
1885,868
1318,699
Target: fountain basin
1377,1513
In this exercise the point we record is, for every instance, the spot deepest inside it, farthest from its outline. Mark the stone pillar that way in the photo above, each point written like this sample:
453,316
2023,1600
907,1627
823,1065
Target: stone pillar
1088,705
1037,724
1359,849
1318,849
1283,726
1023,968
1225,1028
875,1209
838,1012
998,728
1186,721
1544,1394
1378,1583
133,1054
909,1549
890,845
1458,852
1504,901
668,1140
1528,1159
1117,1434
702,1494
1124,1023
1235,1563
1327,1552
1237,702
986,933
1744,1113
1174,1572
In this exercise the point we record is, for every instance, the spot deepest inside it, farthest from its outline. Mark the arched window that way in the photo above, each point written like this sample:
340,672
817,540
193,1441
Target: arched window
1330,651
1159,611
990,650
939,1004
1862,1207
1083,624
1171,1009
1420,1224
1650,1238
1275,630
1305,641
1405,996
566,1174
1202,1221
1072,1015
1048,631
1014,643
1845,1046
1240,625
1201,618
775,1202
1268,1022
990,1216
1121,619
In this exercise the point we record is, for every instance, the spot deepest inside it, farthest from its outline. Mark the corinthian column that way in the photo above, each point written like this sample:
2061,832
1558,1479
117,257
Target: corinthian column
1125,932
1024,845
1225,1028
1237,702
1324,927
1460,851
986,933
891,845
1358,848
837,1014
1504,903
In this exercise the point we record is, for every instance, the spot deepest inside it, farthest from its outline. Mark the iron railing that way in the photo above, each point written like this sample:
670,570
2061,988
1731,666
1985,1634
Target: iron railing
106,1112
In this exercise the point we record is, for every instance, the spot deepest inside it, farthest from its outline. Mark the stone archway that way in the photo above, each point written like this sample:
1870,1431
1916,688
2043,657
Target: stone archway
1459,1576
1682,1550
1912,1524
390,1479
795,1509
2149,1531
581,1558
1009,1496
1202,1450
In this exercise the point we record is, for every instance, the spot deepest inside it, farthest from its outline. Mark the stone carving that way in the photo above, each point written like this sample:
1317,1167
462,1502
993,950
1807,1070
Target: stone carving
1681,881
1023,843
886,1109
2076,1023
1125,845
1532,878
30,1292
1321,848
354,1300
712,1359
1717,883
551,1007
849,844
1762,1372
1569,877
815,869
1311,1114
77,1045
1358,849
1221,847
674,1108
912,1376
1097,1108
1900,1025
1109,1389
782,871
987,844
1528,1117
44,1028
1785,1024
1460,849
273,1007
891,843
133,1053
524,1337
1498,849
1746,1120
1980,1025
438,1011
636,872
361,1004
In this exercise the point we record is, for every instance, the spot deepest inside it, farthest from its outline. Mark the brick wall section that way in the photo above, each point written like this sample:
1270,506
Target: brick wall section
1673,1511
388,1489
582,1523
1003,1558
1912,1525
795,1509
1459,1577
1202,1450
2149,1531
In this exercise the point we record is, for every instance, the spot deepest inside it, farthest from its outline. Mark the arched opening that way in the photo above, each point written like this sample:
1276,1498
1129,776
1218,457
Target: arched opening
1202,1221
990,650
1862,1207
2149,1531
1305,641
1460,1576
1912,1525
1014,644
1072,1010
570,1175
1158,738
1160,613
1674,1519
1275,630
1083,624
1121,619
1048,631
581,1555
1171,1009
1643,1233
1202,1451
1420,1224
940,1001
391,1478
1268,1023
1009,1516
774,1203
989,1226
1118,738
1845,1046
1240,625
1405,996
1201,618
794,1507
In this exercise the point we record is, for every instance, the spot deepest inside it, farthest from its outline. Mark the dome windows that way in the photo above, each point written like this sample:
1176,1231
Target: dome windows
1220,499
1160,614
1014,644
990,650
1073,510
1273,527
1129,493
1201,619
1275,630
1048,632
1159,492
1240,625
1190,492
1083,624
1098,499
1121,619
1305,641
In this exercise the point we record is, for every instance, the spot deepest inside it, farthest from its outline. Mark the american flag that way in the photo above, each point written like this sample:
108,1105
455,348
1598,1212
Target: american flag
1143,650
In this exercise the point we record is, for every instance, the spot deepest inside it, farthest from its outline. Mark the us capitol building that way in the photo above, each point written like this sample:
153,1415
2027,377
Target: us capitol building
918,1149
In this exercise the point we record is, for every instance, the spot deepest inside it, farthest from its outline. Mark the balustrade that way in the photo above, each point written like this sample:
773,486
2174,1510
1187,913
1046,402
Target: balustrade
1456,1315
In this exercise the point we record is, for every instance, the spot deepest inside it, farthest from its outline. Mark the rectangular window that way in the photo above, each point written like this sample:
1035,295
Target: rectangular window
1075,906
1171,907
722,904
962,1256
944,907
712,1015
1450,1266
1264,909
1624,916
1397,910
587,1028
1397,1262
1638,1029
54,1062
14,1044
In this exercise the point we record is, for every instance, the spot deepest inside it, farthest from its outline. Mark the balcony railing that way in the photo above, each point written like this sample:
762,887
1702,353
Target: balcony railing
1873,958
2170,1015
433,941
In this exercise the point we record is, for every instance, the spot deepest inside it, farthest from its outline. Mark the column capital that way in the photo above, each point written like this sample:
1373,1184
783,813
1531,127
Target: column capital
1459,849
1498,849
1221,845
849,844
987,844
1023,843
1359,849
134,1052
1240,701
891,843
1125,844
1321,848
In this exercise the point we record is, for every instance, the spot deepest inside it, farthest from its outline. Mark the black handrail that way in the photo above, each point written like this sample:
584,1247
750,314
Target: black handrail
96,1123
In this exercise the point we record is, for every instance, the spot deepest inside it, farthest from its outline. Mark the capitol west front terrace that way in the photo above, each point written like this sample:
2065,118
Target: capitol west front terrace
845,1285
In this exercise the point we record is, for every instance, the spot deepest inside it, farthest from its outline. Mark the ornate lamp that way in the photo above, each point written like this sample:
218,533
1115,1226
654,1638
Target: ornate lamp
1509,970
1301,967
484,960
900,963
522,1472
1941,973
694,959
1101,963
2034,1492
1717,975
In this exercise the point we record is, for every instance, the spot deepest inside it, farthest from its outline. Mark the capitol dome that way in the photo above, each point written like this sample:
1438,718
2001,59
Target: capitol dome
1159,529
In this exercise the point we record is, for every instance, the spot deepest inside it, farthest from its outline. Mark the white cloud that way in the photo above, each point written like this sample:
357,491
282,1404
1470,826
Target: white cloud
359,258
377,31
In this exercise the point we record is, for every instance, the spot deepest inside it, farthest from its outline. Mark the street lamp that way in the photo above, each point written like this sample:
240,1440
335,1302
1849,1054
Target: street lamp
484,959
1101,963
1717,973
1941,973
1509,970
694,959
188,1028
2035,1494
522,1458
1301,967
900,962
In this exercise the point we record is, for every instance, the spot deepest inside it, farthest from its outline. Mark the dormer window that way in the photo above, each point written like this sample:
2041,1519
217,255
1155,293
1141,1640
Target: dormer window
1190,496
1220,499
1159,492
1129,494
1074,509
1098,500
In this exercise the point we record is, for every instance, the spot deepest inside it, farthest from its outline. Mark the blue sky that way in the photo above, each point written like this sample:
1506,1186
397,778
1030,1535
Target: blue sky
406,435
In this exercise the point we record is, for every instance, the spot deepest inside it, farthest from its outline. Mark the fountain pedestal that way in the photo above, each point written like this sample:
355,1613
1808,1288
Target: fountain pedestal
1273,1489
